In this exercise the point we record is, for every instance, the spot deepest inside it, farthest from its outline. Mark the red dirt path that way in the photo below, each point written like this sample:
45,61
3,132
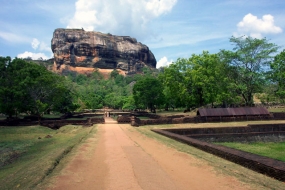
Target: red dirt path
125,159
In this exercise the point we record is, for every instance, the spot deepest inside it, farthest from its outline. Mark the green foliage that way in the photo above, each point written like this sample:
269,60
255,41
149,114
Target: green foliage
95,92
129,103
174,82
197,81
148,92
28,87
114,73
228,77
278,74
248,60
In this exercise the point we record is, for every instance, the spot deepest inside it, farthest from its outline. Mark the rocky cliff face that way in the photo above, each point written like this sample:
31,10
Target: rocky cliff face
76,48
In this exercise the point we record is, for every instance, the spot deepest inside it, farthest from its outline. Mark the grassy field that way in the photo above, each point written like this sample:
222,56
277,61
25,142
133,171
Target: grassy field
143,118
269,149
175,112
221,166
29,154
276,109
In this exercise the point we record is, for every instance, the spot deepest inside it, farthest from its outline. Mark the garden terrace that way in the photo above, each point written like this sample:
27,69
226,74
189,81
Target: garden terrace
196,136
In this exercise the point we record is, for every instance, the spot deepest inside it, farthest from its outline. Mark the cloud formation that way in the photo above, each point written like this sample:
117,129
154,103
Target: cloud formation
32,55
44,47
35,43
123,17
163,62
255,27
13,38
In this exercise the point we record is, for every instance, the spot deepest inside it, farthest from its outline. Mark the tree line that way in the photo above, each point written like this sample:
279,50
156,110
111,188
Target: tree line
253,68
229,77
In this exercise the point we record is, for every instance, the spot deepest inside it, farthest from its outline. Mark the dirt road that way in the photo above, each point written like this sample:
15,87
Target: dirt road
125,159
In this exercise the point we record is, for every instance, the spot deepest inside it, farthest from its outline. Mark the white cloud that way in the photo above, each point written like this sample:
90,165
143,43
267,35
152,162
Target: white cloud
123,17
35,43
42,46
32,55
45,47
13,38
158,7
163,62
255,27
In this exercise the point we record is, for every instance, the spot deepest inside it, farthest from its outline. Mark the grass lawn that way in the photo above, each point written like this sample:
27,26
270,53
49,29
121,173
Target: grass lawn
268,149
143,118
176,112
27,156
73,118
52,115
278,109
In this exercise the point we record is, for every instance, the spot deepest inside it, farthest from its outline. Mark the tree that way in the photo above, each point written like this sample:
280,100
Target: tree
13,96
249,59
197,81
48,91
28,87
129,103
175,85
148,92
114,73
207,77
278,74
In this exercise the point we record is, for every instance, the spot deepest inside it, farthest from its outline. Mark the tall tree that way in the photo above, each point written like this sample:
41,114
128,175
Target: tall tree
197,81
278,74
28,87
13,95
175,84
249,58
148,92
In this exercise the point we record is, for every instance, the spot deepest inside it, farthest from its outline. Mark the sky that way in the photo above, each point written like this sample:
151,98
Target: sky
171,29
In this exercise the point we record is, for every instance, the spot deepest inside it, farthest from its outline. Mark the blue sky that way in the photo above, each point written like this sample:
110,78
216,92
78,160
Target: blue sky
171,28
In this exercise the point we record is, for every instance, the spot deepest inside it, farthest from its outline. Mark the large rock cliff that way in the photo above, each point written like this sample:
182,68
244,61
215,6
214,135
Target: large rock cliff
76,48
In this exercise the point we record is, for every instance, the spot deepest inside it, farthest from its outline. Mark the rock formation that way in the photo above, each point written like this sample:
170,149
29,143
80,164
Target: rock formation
76,48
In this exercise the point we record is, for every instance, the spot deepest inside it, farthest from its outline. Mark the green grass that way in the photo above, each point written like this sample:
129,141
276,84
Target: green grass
176,112
143,118
73,118
268,149
27,157
52,115
277,109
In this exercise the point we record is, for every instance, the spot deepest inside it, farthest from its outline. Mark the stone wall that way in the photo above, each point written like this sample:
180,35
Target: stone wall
52,123
264,165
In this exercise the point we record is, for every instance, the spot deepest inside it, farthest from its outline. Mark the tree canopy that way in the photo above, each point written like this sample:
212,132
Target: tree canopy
28,87
278,74
147,92
249,58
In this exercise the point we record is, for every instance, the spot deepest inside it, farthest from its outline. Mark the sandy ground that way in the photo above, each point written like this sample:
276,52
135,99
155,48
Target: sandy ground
123,158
